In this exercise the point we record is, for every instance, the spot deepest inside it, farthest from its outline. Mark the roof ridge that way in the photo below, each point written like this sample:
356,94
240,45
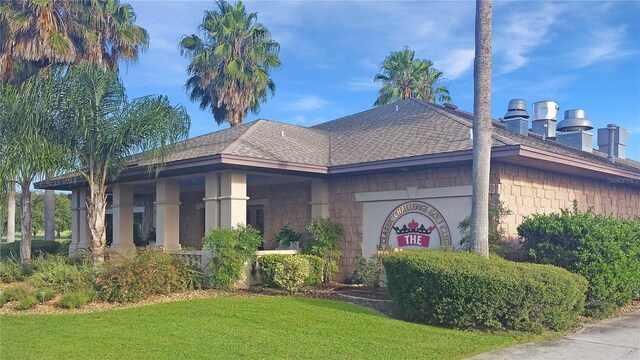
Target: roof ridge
234,143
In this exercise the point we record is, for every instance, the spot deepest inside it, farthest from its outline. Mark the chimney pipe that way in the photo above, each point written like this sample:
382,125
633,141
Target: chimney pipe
612,135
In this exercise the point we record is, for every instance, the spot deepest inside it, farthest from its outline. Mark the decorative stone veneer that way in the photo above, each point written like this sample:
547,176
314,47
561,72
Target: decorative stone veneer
286,203
527,191
191,219
344,208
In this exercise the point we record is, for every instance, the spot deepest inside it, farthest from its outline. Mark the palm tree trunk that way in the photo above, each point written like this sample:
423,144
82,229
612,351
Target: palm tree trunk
49,214
25,244
96,209
11,212
481,130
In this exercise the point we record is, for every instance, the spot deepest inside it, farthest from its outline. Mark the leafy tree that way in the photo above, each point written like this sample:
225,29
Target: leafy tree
230,64
325,243
405,77
63,214
100,128
481,130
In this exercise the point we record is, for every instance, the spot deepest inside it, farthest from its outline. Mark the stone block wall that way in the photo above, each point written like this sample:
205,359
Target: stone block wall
344,208
286,203
527,191
191,219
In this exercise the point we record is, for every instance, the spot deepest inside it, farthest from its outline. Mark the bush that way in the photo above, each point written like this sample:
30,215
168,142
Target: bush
38,248
497,212
45,295
268,263
325,243
231,249
369,272
286,236
465,290
11,271
149,272
27,302
55,273
16,293
291,272
77,299
603,249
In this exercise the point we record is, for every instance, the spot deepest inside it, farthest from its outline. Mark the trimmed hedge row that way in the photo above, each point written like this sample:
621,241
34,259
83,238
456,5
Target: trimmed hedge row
268,263
603,249
464,290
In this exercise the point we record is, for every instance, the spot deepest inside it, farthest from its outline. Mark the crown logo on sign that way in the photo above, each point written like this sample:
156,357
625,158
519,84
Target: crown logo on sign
413,228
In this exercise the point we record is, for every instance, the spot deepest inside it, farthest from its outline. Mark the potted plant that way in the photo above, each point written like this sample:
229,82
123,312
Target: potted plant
288,238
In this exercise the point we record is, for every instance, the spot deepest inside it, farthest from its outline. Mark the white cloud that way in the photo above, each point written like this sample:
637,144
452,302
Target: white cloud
604,44
305,103
456,63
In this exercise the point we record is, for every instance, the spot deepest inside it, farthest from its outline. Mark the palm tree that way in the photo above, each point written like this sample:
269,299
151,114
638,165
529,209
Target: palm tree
229,69
405,77
100,128
482,130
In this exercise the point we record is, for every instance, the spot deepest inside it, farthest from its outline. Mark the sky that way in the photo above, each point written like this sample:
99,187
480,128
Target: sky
581,54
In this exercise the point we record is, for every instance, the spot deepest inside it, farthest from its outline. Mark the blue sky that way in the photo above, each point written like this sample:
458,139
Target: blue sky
581,54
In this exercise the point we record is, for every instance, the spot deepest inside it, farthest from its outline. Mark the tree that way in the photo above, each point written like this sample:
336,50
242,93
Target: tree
28,151
63,214
405,77
481,130
229,69
100,128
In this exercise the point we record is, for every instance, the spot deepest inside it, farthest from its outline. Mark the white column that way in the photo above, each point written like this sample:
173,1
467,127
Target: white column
211,201
319,199
122,207
233,198
168,214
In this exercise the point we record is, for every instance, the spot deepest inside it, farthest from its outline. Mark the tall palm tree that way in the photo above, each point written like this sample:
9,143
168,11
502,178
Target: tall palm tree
481,130
99,128
405,77
229,69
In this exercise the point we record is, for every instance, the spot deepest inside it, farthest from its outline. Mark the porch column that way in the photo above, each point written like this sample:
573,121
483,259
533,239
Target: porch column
80,234
211,201
233,198
122,218
319,199
168,214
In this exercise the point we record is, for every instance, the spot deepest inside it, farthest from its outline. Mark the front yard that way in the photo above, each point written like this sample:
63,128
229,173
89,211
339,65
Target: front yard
238,327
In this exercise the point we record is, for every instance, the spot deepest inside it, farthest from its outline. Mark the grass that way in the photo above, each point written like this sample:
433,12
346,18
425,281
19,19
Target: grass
239,328
64,236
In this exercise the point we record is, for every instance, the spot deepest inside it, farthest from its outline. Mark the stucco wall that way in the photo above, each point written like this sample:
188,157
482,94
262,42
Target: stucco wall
527,191
286,203
343,206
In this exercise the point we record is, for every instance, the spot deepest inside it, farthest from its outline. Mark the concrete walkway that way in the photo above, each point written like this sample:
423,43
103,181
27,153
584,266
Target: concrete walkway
617,338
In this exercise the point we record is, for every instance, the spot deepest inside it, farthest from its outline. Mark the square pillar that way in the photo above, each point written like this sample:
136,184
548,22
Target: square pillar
168,214
233,198
80,234
319,199
211,201
122,207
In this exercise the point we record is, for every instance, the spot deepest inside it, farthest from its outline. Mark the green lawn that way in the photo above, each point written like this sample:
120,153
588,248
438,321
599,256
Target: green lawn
238,328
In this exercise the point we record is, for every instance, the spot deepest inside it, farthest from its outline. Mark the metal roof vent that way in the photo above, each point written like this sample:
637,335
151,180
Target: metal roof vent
544,118
516,118
574,120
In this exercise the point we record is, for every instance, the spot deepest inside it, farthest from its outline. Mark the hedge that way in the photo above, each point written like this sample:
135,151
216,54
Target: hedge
464,290
38,247
603,249
267,265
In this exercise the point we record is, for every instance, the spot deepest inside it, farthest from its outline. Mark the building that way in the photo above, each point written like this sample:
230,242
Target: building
399,174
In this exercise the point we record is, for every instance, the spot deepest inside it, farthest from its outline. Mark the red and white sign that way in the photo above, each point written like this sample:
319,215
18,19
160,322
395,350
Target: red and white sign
415,224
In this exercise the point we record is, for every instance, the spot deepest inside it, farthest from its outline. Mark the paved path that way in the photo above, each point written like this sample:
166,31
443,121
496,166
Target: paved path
614,339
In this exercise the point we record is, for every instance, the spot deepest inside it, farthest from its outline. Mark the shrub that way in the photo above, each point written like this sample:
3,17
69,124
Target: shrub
55,273
369,272
26,302
11,271
291,272
77,299
16,293
465,290
38,248
45,295
267,264
605,250
325,243
231,249
287,236
497,212
149,272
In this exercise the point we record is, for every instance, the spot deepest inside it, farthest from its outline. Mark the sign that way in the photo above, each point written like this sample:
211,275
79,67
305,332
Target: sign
415,224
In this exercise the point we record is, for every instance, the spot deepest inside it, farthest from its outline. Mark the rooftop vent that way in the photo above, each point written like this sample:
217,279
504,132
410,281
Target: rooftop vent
544,118
516,118
450,106
615,135
573,130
